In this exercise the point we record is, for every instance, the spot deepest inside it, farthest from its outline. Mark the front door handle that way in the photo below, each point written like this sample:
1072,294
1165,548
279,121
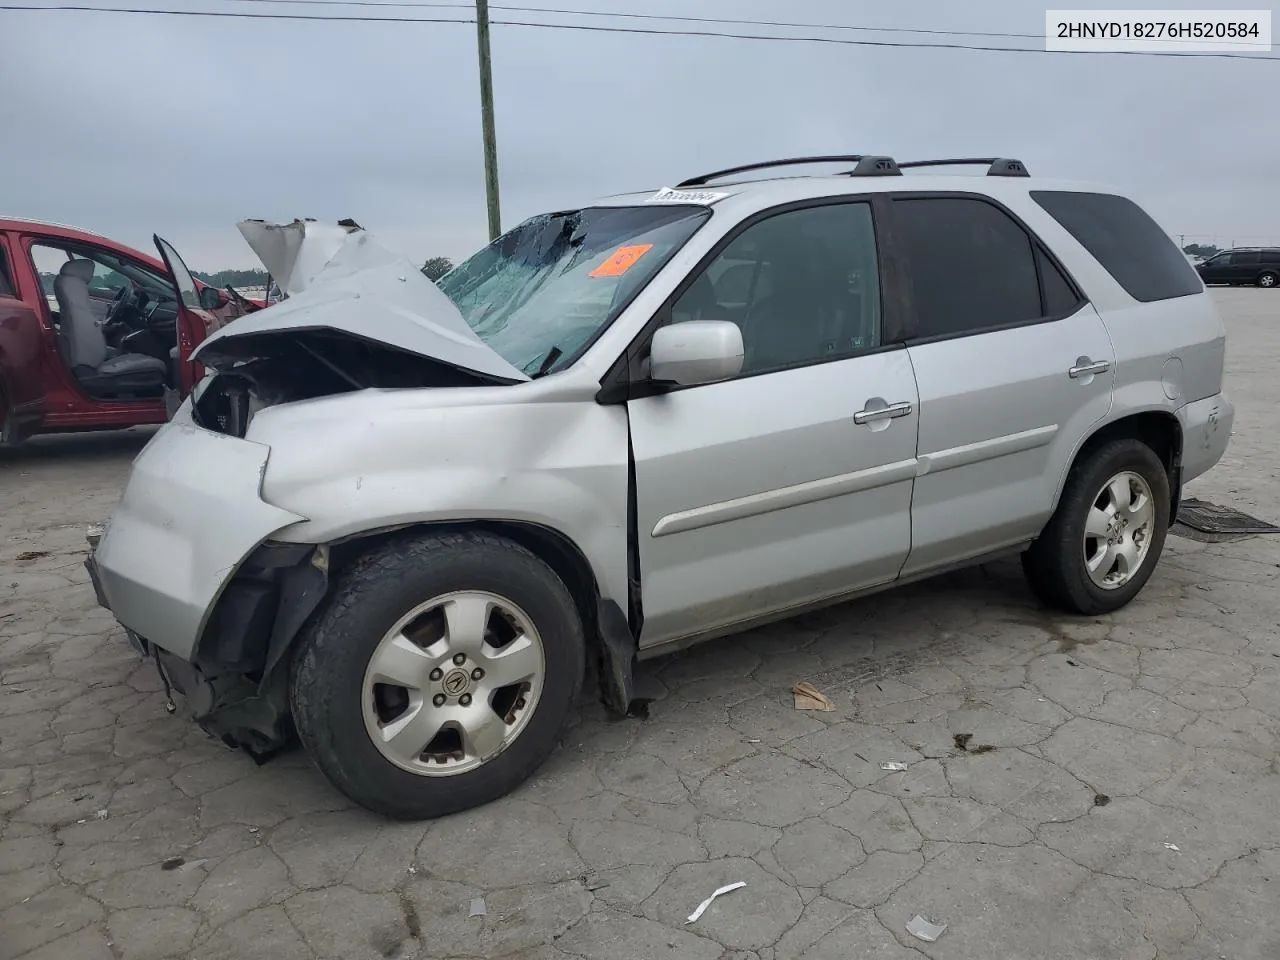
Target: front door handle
890,411
1086,368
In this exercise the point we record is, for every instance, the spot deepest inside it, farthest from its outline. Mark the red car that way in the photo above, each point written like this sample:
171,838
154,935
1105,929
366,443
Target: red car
95,335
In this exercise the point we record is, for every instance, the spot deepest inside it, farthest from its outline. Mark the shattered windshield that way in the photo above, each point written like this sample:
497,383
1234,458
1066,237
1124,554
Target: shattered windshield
540,292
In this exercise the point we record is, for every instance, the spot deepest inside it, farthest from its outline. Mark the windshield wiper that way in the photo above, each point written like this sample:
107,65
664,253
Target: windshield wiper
548,362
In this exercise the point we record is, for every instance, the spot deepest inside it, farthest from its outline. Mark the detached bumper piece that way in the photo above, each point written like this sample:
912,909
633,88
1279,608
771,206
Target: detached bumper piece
236,688
237,684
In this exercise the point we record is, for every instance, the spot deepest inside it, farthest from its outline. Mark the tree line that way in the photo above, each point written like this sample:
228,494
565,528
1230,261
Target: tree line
434,269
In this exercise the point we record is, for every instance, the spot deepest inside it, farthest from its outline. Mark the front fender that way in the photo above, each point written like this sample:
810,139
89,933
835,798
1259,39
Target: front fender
562,466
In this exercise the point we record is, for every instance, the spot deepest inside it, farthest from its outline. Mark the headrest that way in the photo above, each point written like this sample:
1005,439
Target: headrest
79,269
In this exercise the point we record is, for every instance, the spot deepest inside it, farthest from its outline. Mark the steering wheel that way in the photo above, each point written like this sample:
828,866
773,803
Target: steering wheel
123,297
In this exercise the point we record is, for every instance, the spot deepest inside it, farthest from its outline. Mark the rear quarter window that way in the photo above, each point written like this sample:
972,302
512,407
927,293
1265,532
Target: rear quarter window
1125,240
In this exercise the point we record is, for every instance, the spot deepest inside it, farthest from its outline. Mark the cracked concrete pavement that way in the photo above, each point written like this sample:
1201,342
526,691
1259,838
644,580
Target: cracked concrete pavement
1117,796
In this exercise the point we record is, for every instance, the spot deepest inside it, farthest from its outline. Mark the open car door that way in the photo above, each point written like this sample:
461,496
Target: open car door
195,321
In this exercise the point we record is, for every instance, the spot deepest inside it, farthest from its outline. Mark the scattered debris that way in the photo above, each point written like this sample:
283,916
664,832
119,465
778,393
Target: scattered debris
255,829
413,871
861,757
80,796
896,766
594,883
1072,663
1101,800
983,748
478,908
809,697
1219,521
101,814
707,902
32,555
173,863
1174,847
751,740
961,740
638,709
925,930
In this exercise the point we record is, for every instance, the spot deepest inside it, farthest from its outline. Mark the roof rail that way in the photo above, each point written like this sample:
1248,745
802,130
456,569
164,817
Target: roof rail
866,166
996,166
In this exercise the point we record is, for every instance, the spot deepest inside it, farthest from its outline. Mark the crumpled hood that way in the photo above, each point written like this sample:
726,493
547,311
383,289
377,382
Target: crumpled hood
339,278
294,253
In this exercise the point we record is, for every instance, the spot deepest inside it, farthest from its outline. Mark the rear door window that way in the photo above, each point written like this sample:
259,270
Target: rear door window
1248,258
973,268
1271,257
1125,240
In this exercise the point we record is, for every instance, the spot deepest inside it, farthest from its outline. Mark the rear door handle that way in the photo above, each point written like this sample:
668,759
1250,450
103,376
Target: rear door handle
1088,368
888,412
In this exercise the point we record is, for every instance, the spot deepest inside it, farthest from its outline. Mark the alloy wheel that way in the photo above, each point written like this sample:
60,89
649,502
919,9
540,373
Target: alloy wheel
453,683
1118,530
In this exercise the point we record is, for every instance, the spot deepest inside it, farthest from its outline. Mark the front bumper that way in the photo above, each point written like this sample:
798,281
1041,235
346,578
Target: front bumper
1206,431
191,512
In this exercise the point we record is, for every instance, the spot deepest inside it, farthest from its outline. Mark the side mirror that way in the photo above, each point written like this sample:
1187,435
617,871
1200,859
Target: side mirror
210,298
696,351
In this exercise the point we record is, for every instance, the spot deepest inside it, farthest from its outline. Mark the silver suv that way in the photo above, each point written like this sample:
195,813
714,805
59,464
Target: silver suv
407,519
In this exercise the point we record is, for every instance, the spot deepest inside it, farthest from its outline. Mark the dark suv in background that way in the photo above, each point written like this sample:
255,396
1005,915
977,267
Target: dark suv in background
1258,266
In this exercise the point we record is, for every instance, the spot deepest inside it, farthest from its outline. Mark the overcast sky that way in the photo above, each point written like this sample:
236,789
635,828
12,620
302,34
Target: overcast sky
129,124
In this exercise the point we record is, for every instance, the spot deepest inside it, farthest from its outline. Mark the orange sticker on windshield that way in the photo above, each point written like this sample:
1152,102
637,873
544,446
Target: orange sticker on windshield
621,260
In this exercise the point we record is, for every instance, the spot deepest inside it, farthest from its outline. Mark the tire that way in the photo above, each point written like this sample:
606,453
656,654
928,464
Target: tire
1268,280
1055,565
339,706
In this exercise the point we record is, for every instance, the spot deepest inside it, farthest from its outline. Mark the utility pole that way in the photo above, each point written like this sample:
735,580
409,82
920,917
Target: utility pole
486,120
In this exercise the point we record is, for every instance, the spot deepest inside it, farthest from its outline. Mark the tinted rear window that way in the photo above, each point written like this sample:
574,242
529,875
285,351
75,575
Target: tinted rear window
972,268
1125,240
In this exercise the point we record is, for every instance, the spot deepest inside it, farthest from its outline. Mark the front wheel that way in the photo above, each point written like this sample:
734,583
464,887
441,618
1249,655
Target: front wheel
1102,543
1268,279
438,675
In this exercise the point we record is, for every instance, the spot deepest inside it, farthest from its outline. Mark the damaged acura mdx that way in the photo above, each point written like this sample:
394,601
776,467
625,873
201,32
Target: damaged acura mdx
405,519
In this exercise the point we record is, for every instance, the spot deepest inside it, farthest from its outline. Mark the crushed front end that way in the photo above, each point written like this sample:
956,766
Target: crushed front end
185,566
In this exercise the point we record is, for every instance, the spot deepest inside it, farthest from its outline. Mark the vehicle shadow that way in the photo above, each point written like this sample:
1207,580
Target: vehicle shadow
67,447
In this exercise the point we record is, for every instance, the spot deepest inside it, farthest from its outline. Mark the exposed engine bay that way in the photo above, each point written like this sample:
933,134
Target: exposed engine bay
254,372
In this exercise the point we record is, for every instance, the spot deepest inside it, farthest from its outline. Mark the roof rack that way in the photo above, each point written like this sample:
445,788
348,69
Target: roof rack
996,166
865,166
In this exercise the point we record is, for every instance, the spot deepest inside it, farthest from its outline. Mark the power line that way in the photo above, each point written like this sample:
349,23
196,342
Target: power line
639,31
726,21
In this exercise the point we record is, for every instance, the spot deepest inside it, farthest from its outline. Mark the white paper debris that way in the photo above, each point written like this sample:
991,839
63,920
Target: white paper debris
895,765
925,930
707,902
102,814
1172,846
477,908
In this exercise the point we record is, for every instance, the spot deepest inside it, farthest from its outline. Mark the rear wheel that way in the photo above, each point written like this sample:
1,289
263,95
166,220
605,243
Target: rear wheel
438,675
1102,543
1268,279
